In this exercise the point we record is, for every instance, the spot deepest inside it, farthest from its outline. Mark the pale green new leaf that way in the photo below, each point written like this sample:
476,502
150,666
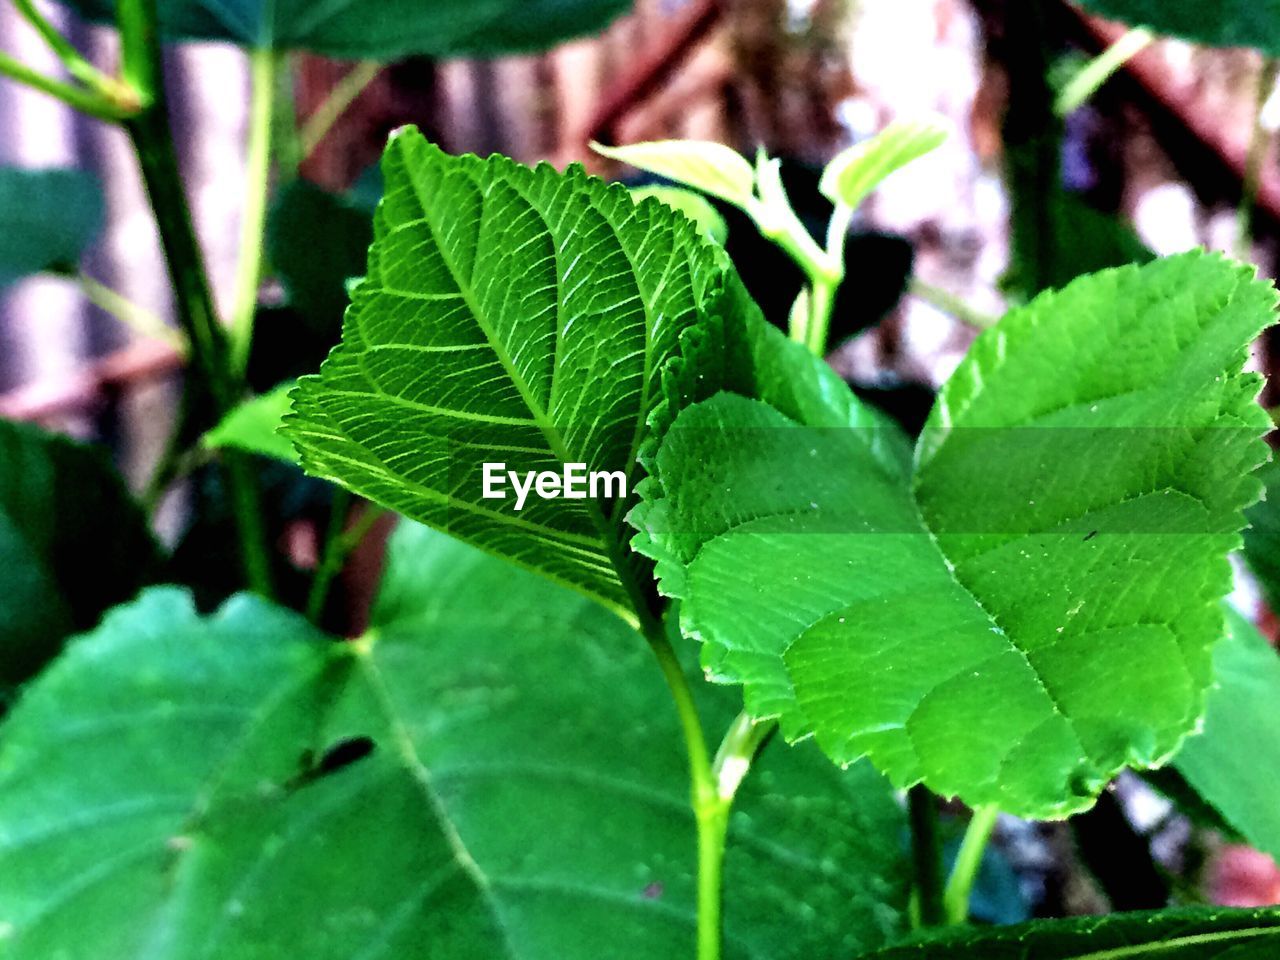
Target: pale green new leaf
1189,934
693,205
510,316
702,164
473,780
856,171
254,426
1234,763
1058,547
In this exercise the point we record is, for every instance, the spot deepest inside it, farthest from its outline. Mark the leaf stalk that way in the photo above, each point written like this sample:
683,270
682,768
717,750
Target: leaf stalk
965,870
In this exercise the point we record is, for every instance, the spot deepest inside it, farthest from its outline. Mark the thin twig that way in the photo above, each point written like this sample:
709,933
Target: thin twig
340,98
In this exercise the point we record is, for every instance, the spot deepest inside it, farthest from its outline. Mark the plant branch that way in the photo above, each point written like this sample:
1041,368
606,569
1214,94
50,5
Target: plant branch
965,871
263,63
138,319
1259,139
1100,69
338,544
152,138
926,854
339,100
78,98
949,303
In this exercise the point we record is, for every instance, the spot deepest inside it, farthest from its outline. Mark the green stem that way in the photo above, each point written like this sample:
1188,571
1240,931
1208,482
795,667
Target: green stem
1090,78
1258,142
86,101
263,63
340,99
137,318
337,547
949,303
711,812
965,871
926,854
152,138
105,87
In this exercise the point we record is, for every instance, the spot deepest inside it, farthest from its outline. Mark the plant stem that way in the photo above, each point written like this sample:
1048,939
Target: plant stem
926,855
1258,142
340,98
78,98
1099,70
138,319
108,88
711,812
152,138
262,64
956,896
338,545
949,303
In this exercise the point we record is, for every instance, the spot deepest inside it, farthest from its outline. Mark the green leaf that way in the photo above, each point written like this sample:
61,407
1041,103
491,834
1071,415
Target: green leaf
1234,763
856,171
1057,547
254,426
509,316
316,241
72,544
47,219
1218,23
1192,934
469,780
378,29
693,205
710,167
1262,536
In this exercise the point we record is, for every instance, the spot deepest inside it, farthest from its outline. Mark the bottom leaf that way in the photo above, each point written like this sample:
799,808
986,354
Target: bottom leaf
493,771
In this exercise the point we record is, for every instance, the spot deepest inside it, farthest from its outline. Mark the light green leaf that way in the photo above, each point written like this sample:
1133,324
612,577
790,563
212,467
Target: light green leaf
693,205
378,29
47,219
1219,23
1058,547
514,787
856,171
254,426
72,544
1192,934
512,316
1234,764
710,167
1262,536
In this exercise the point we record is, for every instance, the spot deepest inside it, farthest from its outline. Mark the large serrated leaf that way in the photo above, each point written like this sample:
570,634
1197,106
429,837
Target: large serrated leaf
509,315
47,219
470,780
1193,934
1219,23
1234,763
1058,548
378,29
72,544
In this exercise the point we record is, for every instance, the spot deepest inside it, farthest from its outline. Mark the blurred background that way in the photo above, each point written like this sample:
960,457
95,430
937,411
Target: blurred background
1023,195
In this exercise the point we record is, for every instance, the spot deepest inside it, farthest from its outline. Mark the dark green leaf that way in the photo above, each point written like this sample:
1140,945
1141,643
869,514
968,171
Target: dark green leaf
508,316
1058,546
1234,764
1219,23
470,780
378,29
47,219
72,544
316,241
1262,536
1201,934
